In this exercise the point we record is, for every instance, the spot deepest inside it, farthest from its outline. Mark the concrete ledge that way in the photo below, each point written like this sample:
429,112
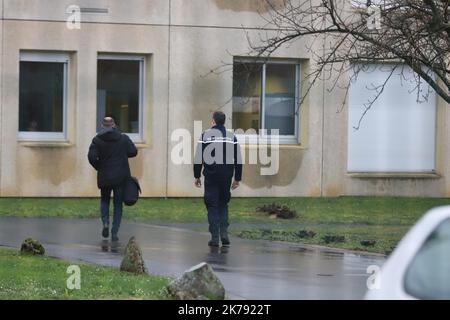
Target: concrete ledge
399,175
280,146
49,144
141,145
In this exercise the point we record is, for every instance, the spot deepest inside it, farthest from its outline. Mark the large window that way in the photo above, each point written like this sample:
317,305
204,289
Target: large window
43,96
265,96
428,276
120,83
398,132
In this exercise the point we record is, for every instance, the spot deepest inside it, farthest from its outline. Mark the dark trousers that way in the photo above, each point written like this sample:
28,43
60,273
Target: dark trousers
217,195
104,206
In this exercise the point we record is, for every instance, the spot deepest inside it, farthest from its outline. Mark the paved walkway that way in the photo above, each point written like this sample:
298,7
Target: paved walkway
249,269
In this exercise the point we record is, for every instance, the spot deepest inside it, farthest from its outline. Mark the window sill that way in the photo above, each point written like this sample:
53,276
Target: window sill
399,175
262,140
136,139
280,146
50,144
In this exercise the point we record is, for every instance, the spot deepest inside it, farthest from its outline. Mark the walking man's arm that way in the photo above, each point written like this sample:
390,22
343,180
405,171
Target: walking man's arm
93,156
198,163
237,165
131,149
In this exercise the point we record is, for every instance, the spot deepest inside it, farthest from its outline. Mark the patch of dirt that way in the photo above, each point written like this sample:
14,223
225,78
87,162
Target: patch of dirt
333,238
368,243
275,210
305,234
277,235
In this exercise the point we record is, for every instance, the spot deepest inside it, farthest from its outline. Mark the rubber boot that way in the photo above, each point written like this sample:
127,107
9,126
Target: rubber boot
214,230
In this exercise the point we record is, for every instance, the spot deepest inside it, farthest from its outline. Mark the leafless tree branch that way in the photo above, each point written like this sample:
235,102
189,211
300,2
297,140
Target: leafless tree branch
415,33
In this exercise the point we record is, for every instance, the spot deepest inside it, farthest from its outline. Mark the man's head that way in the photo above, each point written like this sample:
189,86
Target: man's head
218,118
108,122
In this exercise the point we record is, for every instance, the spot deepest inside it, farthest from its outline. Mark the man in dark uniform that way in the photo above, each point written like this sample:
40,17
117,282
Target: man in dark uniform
218,152
108,154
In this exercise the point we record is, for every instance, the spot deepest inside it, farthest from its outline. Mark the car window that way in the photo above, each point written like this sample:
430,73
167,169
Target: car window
428,276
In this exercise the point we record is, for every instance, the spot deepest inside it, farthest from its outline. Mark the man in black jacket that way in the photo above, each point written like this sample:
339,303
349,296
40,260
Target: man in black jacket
218,152
108,154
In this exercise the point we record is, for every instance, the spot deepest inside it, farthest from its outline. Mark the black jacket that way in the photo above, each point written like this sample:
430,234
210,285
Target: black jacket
108,154
219,153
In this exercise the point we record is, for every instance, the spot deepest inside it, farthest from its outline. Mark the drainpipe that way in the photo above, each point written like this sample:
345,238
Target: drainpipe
1,95
168,102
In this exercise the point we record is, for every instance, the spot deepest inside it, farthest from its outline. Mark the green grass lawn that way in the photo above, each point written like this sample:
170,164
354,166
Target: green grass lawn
383,219
32,277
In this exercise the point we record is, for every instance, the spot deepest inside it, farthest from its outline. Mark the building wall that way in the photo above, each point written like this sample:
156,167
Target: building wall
337,181
1,96
46,169
183,41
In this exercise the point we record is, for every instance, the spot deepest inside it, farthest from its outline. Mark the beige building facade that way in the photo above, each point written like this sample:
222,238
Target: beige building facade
161,65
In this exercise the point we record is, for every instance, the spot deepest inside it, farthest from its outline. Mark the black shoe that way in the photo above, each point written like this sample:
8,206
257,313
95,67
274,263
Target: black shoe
105,231
214,230
224,233
114,237
212,243
225,242
224,236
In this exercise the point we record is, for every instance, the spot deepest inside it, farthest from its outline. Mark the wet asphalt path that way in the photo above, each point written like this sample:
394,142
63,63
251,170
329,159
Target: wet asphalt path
249,269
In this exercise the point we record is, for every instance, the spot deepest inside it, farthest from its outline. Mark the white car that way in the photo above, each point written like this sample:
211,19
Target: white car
419,268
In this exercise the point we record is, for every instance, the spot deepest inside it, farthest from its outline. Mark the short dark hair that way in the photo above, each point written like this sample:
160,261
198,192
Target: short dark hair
219,118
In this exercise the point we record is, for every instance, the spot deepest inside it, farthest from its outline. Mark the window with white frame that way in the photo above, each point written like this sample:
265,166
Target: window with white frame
398,132
265,97
120,91
43,96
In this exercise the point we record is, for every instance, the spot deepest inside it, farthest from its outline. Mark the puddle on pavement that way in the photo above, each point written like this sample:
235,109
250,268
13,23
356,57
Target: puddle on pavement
302,250
217,256
249,265
332,255
114,247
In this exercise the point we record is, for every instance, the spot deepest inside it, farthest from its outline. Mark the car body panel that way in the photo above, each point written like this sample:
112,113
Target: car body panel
391,281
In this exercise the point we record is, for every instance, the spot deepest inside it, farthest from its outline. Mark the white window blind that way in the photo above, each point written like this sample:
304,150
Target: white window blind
398,133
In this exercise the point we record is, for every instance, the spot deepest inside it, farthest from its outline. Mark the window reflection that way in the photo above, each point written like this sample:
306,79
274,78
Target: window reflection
278,108
247,96
118,92
41,96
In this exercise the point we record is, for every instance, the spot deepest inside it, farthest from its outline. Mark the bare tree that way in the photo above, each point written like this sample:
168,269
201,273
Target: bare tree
413,33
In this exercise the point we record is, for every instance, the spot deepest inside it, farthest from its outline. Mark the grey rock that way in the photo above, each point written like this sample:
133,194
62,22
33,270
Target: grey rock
197,283
133,261
32,246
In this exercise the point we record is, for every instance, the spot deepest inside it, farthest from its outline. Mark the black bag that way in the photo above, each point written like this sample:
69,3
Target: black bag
131,190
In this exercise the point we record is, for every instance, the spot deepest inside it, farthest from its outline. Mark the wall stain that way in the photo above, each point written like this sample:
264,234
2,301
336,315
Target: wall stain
314,192
137,165
56,165
333,191
290,163
250,5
